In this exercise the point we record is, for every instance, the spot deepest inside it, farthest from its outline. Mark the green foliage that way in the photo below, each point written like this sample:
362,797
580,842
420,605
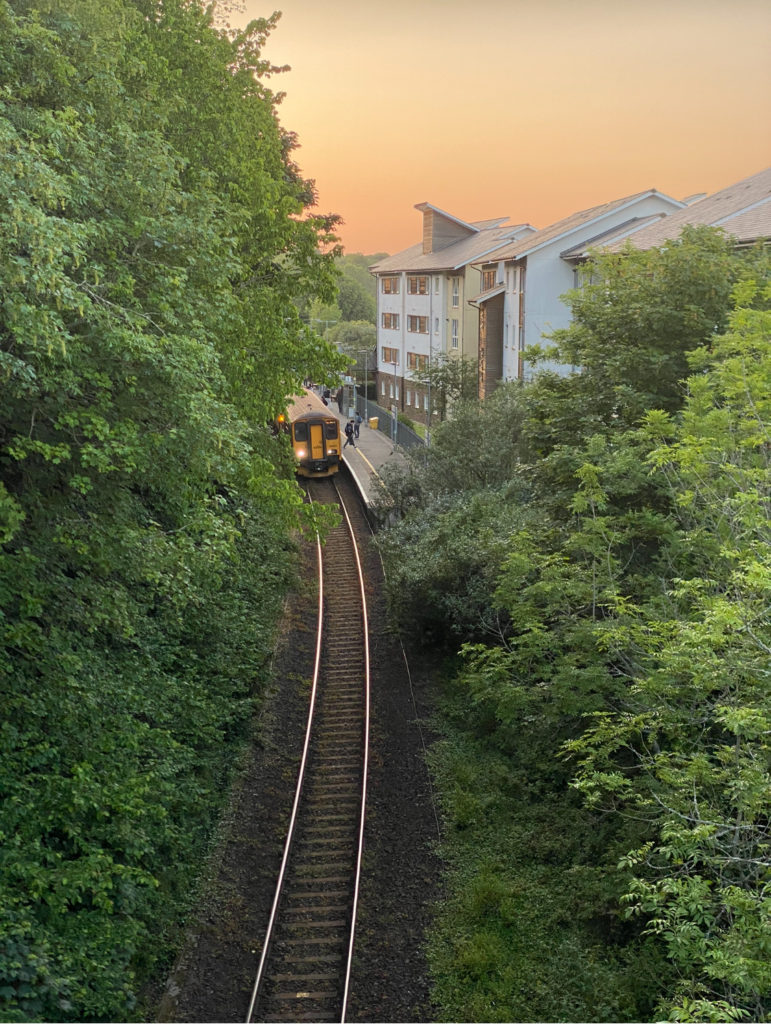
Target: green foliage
442,591
616,521
696,711
450,380
453,510
150,248
357,296
529,930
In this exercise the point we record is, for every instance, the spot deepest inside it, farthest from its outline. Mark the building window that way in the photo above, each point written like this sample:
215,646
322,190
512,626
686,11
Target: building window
390,321
425,402
408,397
436,286
397,391
389,285
417,324
417,285
436,325
389,355
455,334
382,388
489,279
416,362
455,292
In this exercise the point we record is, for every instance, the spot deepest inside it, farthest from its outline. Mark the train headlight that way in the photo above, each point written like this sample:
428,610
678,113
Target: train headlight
300,453
330,451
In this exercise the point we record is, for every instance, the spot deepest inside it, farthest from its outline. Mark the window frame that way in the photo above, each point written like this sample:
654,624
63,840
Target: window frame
417,284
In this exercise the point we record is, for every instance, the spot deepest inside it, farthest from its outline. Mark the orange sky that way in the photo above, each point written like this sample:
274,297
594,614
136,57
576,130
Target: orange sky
532,109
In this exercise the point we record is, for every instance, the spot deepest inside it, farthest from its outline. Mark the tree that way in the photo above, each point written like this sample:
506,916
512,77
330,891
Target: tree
618,639
354,302
150,246
633,322
694,717
449,380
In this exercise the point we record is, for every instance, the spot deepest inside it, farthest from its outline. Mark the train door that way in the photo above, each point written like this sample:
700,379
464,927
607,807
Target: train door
316,445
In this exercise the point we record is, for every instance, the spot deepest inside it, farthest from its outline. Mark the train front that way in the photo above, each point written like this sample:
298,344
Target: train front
316,444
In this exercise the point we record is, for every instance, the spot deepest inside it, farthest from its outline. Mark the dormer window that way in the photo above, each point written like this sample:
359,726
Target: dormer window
489,279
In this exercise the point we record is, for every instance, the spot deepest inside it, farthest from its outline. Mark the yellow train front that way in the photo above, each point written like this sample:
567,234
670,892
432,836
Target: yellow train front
315,434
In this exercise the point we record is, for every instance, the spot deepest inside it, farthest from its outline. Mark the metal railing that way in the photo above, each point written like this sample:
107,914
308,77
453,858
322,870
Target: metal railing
388,424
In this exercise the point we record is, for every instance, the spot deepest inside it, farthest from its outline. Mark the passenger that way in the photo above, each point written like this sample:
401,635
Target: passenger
349,434
340,399
356,425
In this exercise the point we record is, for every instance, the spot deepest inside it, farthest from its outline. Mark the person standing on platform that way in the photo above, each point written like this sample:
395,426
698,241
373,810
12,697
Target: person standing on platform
356,425
349,435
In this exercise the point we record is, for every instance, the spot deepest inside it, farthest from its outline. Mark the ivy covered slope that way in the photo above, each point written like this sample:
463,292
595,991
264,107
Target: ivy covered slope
597,547
153,232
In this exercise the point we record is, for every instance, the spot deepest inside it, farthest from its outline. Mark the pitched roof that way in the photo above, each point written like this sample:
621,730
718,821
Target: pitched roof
491,293
564,227
488,235
604,238
742,210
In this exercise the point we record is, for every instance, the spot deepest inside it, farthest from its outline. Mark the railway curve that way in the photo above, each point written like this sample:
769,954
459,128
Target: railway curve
214,975
305,963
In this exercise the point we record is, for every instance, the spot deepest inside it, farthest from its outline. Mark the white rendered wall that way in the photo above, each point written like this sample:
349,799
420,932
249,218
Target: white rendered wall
548,277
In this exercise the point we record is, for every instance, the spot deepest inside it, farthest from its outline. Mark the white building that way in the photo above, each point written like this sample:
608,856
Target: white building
422,302
523,281
742,210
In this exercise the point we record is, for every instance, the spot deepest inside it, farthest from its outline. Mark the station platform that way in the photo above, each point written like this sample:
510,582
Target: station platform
373,451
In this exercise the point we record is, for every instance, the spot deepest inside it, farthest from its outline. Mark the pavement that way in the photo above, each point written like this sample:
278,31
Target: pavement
373,451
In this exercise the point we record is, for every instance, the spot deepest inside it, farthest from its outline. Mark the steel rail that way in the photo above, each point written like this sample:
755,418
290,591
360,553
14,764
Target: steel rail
261,972
363,811
298,791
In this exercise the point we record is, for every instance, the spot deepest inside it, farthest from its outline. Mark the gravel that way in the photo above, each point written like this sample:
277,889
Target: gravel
213,978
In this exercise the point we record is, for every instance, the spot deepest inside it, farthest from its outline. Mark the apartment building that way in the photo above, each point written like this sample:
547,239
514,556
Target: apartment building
422,302
520,302
742,210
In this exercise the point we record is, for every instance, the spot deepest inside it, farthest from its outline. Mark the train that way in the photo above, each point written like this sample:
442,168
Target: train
314,431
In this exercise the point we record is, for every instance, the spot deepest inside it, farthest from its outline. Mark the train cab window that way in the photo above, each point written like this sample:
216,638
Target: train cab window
331,429
301,431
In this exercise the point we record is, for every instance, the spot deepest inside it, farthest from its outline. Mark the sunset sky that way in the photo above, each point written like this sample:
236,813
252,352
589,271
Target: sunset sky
532,109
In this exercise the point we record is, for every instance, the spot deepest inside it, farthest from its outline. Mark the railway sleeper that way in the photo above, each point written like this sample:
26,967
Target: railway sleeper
330,941
319,793
310,915
338,897
328,789
315,958
334,924
330,816
309,870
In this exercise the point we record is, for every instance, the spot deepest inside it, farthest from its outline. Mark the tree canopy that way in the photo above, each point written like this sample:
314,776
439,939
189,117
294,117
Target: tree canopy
600,562
153,237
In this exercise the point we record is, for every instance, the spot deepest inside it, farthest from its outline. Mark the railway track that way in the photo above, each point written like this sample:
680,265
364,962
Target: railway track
305,962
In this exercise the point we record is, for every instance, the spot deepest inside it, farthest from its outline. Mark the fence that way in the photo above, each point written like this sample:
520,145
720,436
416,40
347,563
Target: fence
388,424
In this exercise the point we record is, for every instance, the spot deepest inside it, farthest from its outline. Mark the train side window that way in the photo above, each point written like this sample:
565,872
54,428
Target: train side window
331,429
301,431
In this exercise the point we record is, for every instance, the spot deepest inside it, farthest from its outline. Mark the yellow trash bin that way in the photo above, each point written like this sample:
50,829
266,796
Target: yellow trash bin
373,423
